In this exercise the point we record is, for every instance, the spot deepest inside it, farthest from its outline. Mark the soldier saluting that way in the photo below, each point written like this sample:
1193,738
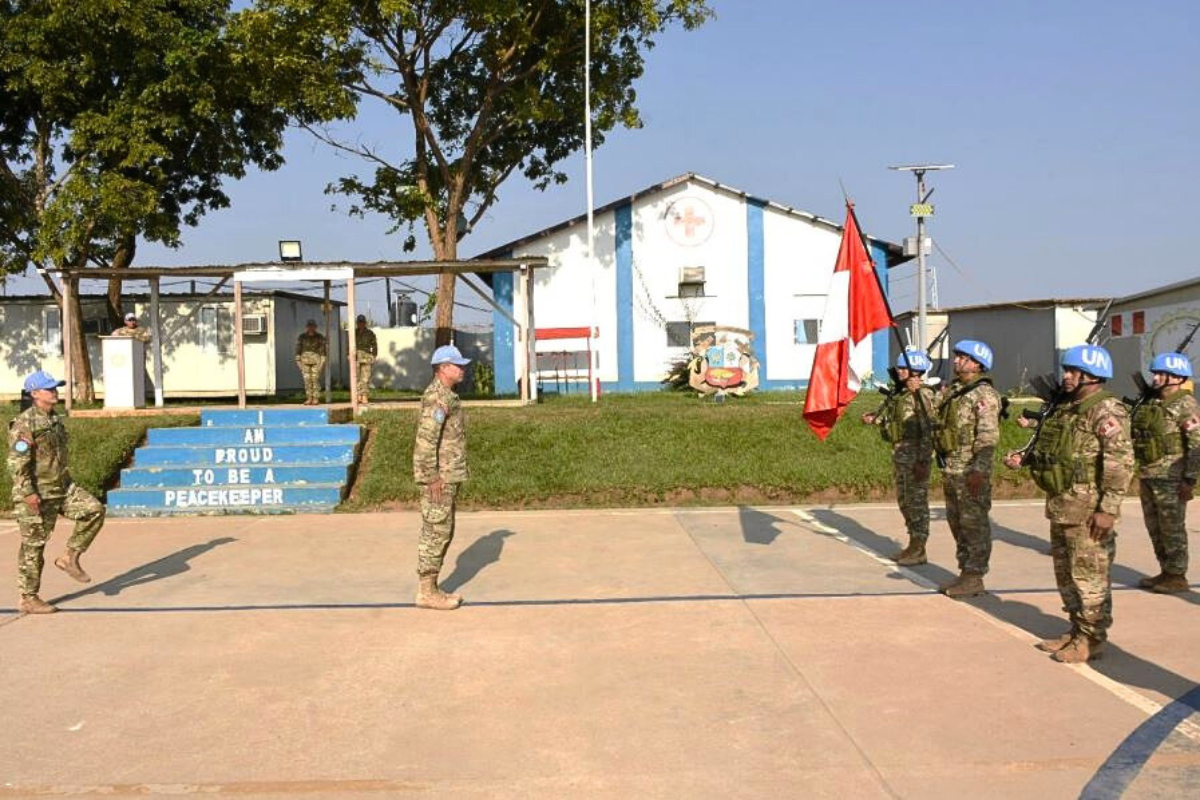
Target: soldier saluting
43,489
905,422
1166,444
439,466
1082,458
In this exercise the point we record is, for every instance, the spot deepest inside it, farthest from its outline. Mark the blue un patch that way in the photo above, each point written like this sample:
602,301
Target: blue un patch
439,415
20,446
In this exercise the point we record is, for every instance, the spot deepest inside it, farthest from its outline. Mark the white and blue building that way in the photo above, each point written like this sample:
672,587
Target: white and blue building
686,252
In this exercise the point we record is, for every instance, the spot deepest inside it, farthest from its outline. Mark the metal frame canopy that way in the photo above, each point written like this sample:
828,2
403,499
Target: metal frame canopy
291,271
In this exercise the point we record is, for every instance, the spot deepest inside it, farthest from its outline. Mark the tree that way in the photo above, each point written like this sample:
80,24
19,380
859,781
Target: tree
487,88
120,120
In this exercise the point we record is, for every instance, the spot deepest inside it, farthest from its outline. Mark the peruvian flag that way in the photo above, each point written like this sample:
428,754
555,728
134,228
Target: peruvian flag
854,309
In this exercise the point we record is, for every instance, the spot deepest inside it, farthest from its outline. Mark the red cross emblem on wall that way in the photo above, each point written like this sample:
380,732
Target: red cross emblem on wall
689,221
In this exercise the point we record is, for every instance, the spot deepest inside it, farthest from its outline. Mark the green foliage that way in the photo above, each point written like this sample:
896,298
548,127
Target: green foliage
649,448
99,447
483,377
489,87
121,118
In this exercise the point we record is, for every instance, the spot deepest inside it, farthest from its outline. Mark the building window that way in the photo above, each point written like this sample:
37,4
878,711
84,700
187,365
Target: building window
1118,325
214,329
679,334
51,329
807,331
1139,322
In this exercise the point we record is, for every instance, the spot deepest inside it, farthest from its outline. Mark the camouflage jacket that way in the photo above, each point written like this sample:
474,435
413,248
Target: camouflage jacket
366,346
37,455
310,345
440,450
1181,417
1104,462
907,428
968,426
141,334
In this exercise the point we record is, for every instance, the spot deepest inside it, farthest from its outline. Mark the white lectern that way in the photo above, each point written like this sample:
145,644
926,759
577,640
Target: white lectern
124,372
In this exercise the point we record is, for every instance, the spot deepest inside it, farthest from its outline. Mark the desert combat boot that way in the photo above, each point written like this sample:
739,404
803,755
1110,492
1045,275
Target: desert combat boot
969,584
430,596
32,604
913,555
69,563
1079,650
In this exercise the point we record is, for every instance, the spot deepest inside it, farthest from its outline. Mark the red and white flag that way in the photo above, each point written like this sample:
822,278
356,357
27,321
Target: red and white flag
854,309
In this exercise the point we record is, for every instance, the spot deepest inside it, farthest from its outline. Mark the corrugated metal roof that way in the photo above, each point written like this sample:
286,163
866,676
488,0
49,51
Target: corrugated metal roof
1170,287
1027,305
895,252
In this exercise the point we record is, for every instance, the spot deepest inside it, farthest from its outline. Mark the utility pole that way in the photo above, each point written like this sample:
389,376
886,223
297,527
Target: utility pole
593,375
921,209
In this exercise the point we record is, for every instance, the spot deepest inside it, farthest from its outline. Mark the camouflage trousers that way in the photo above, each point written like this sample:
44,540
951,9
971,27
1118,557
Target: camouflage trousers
1166,519
1081,570
363,377
969,523
437,529
86,511
311,371
912,495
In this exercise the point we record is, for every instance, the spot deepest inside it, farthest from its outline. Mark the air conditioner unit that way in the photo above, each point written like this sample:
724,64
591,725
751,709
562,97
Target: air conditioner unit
254,325
691,276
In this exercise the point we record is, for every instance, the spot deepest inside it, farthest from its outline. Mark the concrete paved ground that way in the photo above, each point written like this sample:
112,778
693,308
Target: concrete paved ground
732,652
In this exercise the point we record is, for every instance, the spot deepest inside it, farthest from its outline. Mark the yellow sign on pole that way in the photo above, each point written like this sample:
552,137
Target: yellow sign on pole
920,210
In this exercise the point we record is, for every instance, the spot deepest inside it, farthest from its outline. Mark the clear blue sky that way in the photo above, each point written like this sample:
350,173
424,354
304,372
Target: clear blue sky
1073,126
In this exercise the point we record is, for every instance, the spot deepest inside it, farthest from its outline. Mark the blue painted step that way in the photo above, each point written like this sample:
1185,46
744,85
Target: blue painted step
248,456
224,500
199,477
222,436
239,417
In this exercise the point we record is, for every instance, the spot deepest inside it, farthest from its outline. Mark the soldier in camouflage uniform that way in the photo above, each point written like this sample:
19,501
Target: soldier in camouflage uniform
905,422
366,348
310,358
1166,443
43,489
1083,460
965,437
131,330
439,466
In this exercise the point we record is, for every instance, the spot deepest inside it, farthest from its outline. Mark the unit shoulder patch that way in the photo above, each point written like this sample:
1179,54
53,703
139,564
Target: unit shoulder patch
439,414
1108,428
1191,423
21,446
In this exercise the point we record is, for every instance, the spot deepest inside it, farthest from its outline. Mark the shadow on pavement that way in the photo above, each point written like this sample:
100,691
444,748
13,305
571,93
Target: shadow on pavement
759,527
878,543
470,562
166,567
1117,663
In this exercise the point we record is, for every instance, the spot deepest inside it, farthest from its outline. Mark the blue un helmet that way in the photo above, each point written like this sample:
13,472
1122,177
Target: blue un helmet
1090,358
913,360
1176,364
979,351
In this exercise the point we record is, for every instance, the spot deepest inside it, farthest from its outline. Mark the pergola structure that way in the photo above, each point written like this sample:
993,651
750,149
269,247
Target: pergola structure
326,272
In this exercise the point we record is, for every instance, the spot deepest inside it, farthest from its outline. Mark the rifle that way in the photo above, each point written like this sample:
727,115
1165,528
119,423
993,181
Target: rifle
1050,391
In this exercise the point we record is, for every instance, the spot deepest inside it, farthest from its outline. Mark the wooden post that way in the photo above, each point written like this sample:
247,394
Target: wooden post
531,329
328,358
238,343
352,356
65,327
156,332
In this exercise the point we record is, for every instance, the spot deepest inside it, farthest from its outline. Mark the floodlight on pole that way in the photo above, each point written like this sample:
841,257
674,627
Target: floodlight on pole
289,250
921,209
594,379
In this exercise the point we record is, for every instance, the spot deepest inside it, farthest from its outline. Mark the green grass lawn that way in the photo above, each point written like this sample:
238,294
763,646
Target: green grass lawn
99,447
649,448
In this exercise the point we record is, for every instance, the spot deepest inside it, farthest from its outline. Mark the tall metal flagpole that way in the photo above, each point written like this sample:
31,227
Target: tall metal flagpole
593,375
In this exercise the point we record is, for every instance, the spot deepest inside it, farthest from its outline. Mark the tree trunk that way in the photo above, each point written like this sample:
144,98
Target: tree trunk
81,366
447,250
122,258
